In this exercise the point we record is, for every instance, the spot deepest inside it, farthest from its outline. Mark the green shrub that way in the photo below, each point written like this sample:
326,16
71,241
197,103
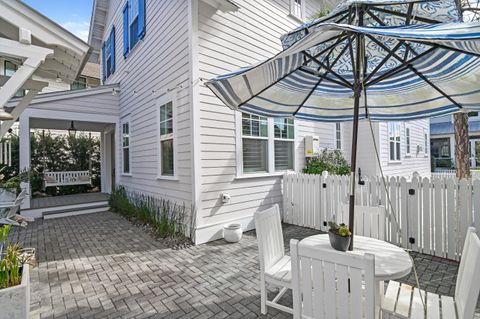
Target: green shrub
331,161
166,217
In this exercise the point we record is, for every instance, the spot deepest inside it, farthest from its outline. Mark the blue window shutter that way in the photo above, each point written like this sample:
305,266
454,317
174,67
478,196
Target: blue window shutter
104,64
141,19
112,48
126,46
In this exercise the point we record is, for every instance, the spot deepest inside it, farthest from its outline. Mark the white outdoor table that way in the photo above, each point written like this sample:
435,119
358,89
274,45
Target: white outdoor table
391,262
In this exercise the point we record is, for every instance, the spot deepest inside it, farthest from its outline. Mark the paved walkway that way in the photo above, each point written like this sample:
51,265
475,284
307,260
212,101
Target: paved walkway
101,266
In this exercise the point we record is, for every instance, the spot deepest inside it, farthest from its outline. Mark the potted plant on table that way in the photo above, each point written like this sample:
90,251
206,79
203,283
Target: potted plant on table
339,236
14,278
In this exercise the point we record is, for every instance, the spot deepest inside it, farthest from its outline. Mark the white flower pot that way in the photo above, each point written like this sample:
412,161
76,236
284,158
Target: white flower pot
232,232
15,301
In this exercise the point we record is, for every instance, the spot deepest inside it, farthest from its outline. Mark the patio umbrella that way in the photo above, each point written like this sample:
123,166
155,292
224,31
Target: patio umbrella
369,67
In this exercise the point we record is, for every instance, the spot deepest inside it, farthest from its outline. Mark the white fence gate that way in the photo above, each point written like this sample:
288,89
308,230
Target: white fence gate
433,214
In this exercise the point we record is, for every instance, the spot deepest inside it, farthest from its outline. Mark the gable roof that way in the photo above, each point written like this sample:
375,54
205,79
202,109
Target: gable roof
70,52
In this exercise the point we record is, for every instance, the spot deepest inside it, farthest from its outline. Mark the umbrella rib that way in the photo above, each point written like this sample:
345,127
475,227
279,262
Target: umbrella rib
382,63
319,81
403,15
424,78
441,46
414,70
398,69
328,69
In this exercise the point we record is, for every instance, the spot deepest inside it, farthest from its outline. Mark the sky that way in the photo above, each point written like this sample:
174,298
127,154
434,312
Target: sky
72,15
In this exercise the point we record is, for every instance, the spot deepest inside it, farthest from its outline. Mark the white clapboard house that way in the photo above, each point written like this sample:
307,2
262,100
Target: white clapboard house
165,134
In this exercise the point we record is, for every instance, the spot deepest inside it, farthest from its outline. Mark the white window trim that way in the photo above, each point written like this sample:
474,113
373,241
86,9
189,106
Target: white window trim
167,97
129,122
270,149
292,14
426,143
407,153
335,136
395,161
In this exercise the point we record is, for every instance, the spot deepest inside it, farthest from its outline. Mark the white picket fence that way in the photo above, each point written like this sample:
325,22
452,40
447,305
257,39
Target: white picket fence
433,212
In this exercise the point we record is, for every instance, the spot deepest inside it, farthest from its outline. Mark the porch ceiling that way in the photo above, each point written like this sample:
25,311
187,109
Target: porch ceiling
54,124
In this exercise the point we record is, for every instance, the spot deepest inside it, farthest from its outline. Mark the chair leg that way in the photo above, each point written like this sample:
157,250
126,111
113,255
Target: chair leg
263,297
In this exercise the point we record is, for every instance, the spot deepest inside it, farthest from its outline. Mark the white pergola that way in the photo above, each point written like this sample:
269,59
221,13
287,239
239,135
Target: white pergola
41,48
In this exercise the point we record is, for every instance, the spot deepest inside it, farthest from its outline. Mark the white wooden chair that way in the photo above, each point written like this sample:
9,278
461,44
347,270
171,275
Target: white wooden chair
369,220
9,210
404,301
330,284
275,267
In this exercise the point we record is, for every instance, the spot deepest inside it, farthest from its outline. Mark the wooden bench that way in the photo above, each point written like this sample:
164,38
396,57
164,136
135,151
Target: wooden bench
67,178
404,301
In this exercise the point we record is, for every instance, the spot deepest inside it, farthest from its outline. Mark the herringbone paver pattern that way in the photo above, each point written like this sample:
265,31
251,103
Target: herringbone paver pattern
102,266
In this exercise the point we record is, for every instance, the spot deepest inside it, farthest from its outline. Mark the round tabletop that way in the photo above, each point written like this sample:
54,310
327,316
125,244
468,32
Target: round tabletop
391,262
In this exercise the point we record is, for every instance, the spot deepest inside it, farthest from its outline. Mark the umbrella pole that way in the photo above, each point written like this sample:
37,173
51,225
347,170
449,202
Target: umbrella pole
353,164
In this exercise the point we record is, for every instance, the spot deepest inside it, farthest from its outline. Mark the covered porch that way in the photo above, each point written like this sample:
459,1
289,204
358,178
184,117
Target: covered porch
91,110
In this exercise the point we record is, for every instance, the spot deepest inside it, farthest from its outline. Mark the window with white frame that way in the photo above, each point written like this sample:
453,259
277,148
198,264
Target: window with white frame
126,147
167,157
255,143
408,146
394,141
133,21
267,144
284,144
338,136
425,142
297,8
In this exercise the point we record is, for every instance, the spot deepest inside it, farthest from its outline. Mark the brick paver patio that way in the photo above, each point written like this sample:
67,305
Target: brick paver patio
102,266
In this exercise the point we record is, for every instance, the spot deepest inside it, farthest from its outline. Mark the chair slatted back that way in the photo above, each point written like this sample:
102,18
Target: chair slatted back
268,227
369,220
468,280
332,284
12,211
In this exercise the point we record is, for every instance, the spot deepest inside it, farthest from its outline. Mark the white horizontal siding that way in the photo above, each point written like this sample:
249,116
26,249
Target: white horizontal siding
156,65
417,161
226,42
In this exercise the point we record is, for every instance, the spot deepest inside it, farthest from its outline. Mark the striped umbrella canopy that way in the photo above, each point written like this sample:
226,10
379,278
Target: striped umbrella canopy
386,60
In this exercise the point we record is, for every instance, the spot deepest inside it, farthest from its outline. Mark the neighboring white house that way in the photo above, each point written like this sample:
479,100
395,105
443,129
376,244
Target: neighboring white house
443,141
165,134
404,148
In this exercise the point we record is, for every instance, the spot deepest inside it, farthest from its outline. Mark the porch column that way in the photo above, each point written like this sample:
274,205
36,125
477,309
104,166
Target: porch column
24,150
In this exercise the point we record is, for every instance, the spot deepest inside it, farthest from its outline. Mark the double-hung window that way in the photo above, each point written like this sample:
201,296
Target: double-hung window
338,136
255,143
108,55
267,145
394,141
297,9
167,156
408,144
133,24
9,70
126,148
284,143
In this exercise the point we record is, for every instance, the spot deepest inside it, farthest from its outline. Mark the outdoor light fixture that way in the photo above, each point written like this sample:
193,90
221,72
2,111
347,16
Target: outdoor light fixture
58,79
5,116
72,131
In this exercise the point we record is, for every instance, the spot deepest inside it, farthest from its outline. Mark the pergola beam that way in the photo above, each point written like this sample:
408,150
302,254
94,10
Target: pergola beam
28,85
17,111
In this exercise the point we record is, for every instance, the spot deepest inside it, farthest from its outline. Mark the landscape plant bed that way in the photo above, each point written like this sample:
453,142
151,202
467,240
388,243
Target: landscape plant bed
164,220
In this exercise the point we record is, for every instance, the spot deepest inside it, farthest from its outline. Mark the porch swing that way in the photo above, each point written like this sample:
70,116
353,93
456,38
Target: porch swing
67,178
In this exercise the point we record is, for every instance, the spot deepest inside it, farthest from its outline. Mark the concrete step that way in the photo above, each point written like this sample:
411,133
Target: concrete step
74,210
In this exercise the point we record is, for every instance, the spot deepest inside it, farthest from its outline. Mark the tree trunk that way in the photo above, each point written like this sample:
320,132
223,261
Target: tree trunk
462,154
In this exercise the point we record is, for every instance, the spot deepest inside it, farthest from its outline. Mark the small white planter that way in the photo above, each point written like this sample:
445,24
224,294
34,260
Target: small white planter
15,301
232,232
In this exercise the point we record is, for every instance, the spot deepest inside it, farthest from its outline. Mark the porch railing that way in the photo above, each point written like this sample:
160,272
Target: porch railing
433,214
67,178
